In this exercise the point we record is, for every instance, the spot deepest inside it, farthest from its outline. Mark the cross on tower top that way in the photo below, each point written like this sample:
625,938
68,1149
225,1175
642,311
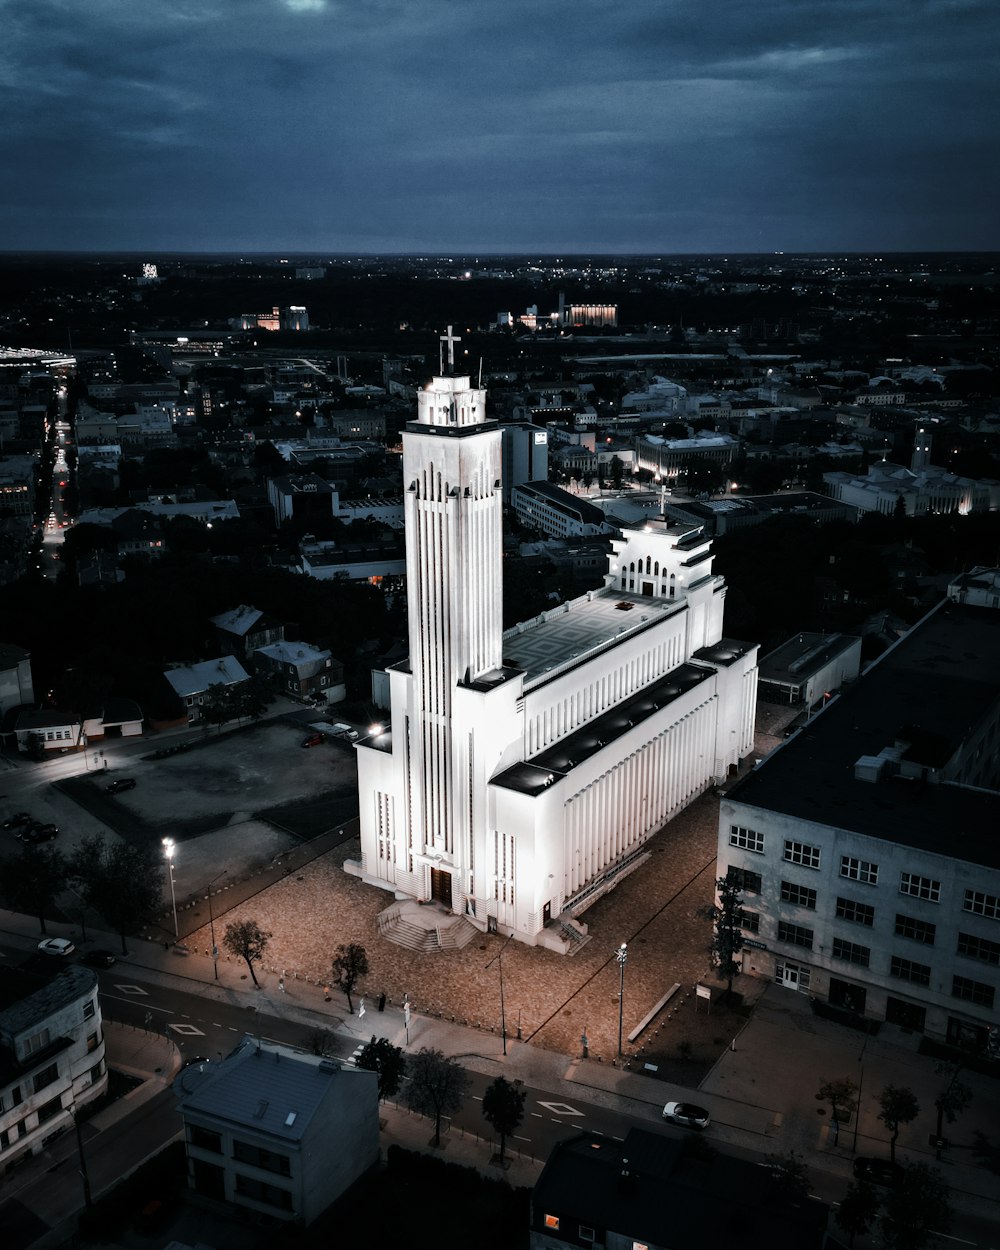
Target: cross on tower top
451,340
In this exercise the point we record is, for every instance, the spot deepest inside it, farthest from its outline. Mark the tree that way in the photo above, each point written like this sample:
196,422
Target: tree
246,940
388,1061
124,883
437,1086
841,1095
898,1106
858,1209
727,935
789,1177
951,1102
350,964
503,1107
916,1208
33,879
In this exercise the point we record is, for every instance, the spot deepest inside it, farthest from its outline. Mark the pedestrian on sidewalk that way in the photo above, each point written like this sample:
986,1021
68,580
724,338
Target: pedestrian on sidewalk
326,993
281,984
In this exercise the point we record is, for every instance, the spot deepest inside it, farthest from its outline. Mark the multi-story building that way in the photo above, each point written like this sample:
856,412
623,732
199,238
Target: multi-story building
866,844
51,1055
554,511
277,1131
302,671
525,770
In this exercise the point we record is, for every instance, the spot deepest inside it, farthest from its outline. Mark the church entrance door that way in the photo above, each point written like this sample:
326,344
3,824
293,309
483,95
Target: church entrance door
647,589
441,886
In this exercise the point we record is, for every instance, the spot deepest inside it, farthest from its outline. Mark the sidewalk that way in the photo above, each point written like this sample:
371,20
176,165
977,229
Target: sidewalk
761,1094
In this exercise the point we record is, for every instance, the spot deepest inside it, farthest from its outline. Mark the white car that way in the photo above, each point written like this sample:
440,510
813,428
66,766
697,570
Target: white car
56,946
686,1113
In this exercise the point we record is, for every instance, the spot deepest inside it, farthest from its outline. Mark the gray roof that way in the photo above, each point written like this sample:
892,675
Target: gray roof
192,679
265,1087
27,999
931,689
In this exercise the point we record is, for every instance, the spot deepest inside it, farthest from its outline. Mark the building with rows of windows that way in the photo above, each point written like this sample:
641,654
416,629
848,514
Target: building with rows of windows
51,1055
866,845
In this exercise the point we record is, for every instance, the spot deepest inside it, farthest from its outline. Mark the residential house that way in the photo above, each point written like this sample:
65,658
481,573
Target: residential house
277,1131
51,1054
51,729
241,631
652,1192
302,671
191,682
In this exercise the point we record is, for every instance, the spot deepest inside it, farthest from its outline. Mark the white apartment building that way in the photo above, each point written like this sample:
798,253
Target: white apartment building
866,844
51,1055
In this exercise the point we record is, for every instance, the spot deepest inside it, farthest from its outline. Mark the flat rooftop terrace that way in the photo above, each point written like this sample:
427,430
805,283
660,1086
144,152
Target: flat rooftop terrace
941,680
577,629
799,657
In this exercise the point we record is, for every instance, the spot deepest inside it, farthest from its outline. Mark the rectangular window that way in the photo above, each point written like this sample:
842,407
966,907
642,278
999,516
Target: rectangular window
981,904
258,1157
16,1097
261,1191
978,948
49,1110
36,1042
801,853
96,1072
798,894
4,1139
749,882
795,934
859,913
586,1234
852,952
858,870
552,1221
915,930
45,1077
920,887
748,839
907,970
205,1139
750,920
88,1009
972,991
91,1042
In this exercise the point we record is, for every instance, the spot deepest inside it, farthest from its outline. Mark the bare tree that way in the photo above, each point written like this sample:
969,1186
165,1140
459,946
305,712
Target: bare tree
350,964
437,1086
898,1106
246,940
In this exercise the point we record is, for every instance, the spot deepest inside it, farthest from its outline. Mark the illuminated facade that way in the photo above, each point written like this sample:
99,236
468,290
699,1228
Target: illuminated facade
524,771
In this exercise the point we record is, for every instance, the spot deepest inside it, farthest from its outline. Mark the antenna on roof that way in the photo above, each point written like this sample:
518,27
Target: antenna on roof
480,373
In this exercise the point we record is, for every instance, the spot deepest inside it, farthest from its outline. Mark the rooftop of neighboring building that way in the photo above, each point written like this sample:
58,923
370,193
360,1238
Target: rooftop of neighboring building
266,1086
12,655
30,996
190,679
802,655
568,504
655,1189
926,693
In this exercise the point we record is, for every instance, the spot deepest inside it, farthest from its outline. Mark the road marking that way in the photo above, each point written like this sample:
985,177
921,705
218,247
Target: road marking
555,1121
538,1115
133,989
580,1127
522,1139
188,1030
115,998
561,1108
476,1098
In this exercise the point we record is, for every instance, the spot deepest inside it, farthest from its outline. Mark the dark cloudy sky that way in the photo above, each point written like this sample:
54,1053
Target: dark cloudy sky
462,125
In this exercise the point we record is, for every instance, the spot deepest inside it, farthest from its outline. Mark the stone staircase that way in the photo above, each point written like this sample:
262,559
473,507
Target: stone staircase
423,927
575,936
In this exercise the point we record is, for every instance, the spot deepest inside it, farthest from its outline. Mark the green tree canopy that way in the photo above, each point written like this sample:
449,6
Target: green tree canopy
350,964
33,879
727,936
124,883
897,1106
380,1056
503,1107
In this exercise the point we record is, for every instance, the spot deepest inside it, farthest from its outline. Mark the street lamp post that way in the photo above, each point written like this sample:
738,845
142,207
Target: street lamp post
169,848
498,959
211,923
622,956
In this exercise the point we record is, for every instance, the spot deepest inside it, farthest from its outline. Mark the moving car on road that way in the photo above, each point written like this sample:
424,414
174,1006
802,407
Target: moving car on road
56,946
98,958
878,1171
123,783
686,1113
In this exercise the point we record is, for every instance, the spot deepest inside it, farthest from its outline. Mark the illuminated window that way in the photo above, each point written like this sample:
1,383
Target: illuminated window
552,1221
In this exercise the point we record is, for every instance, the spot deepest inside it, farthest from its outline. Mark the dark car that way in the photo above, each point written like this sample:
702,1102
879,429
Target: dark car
38,833
17,820
878,1171
123,783
314,740
99,959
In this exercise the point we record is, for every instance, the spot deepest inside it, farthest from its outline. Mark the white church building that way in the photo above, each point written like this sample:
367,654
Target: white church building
523,772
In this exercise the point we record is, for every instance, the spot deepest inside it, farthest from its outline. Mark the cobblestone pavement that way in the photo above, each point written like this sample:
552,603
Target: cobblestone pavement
551,999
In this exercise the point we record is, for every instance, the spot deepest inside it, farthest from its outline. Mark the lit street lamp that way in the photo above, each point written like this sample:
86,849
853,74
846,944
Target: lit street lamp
621,954
211,923
168,850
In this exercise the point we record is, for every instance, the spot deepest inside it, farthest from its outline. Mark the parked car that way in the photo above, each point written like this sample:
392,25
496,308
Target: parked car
123,783
56,946
17,820
686,1113
314,740
99,958
878,1171
38,833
